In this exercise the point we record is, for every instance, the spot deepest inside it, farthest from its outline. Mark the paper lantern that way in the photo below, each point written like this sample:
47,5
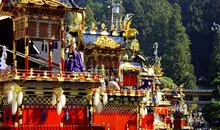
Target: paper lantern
59,108
20,98
63,100
14,107
54,98
96,99
105,99
10,96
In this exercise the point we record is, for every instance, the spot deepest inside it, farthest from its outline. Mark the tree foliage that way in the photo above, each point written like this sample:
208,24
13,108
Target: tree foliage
168,82
181,70
211,113
215,60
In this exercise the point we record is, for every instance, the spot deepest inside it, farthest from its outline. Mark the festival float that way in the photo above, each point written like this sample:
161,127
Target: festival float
80,78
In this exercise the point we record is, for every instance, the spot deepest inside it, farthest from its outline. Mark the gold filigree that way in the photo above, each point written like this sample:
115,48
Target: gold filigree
135,45
106,42
131,32
41,2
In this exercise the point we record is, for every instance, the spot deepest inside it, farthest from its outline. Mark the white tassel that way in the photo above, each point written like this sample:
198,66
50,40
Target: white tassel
96,99
20,98
14,107
144,99
59,108
54,98
105,99
145,111
63,100
10,96
142,112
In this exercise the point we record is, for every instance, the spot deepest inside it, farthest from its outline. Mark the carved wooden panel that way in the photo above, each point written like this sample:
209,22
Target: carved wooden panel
55,31
20,29
32,28
43,30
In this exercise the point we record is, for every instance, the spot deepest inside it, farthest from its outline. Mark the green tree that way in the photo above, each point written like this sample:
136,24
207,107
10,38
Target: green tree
178,51
156,15
168,82
211,113
215,61
69,18
89,13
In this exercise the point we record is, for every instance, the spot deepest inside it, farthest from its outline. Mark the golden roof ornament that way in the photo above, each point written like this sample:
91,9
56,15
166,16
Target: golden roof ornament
129,32
106,42
112,27
157,68
103,29
41,2
94,27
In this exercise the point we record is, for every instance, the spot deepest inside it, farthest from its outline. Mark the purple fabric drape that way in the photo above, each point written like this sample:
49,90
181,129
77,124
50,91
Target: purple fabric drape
74,63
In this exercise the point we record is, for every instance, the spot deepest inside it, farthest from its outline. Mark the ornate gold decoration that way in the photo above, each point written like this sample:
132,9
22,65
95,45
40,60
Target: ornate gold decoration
129,32
157,68
128,67
104,41
58,91
103,27
135,45
94,27
41,2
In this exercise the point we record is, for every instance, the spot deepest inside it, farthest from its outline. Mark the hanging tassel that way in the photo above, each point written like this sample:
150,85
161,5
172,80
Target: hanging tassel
43,116
63,100
96,99
7,115
67,116
13,117
14,107
54,98
145,111
10,96
20,98
142,112
105,99
59,108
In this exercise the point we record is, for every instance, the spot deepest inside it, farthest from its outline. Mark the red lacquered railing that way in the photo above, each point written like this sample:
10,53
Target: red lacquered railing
53,127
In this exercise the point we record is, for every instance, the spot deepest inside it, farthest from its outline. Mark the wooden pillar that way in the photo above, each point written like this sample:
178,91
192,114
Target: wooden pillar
62,47
26,44
50,54
95,61
14,48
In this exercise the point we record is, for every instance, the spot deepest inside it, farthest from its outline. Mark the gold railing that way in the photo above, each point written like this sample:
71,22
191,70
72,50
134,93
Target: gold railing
51,75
